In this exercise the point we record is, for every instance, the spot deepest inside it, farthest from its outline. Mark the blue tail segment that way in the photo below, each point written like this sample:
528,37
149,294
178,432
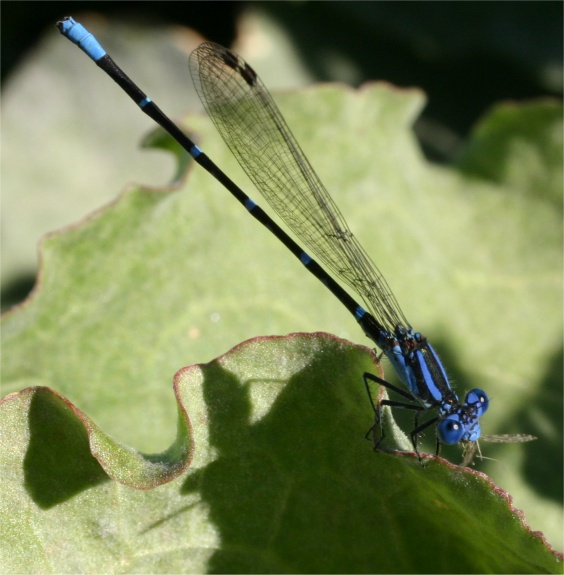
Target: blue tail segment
253,128
78,34
250,205
194,151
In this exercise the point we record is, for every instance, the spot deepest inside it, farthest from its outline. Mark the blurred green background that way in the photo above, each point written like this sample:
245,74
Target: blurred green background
464,55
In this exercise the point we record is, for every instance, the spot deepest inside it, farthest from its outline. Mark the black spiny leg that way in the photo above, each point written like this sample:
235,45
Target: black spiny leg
378,405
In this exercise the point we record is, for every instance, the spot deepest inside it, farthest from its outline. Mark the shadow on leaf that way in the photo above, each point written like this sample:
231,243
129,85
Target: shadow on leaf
58,463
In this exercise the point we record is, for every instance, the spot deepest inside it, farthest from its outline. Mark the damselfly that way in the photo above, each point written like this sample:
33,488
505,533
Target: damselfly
255,131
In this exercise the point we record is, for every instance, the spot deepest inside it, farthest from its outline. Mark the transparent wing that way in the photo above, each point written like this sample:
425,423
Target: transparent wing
508,438
251,125
472,448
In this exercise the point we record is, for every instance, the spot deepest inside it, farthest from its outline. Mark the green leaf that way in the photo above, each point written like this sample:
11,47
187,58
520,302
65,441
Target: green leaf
520,147
281,478
281,481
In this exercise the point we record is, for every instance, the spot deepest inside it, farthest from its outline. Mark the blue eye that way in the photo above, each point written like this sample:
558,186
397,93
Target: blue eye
450,430
479,398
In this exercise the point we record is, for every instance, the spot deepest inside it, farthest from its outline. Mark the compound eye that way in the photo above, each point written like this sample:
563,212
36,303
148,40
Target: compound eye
450,430
479,399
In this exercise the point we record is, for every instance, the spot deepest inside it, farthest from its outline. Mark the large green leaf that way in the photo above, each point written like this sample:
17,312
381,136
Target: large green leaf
281,481
281,478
